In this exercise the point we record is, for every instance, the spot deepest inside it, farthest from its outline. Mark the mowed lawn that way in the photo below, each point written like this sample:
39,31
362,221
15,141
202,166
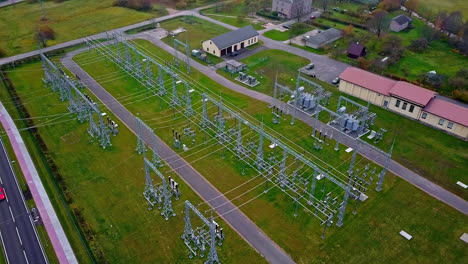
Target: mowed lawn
374,230
70,20
446,5
107,185
197,30
229,13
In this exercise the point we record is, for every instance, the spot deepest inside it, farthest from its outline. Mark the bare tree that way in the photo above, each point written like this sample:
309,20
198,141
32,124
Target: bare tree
411,6
379,22
298,9
324,4
43,34
453,23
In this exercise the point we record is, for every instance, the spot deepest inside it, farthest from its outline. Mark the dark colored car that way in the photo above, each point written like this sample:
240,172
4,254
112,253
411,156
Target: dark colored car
2,194
287,26
235,53
336,81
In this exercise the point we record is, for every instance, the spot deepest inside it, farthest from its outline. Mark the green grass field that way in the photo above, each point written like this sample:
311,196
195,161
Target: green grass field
70,20
400,206
447,5
237,22
285,35
108,191
198,30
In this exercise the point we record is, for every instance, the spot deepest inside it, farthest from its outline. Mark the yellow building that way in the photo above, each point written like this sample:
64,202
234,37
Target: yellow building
446,114
231,42
407,99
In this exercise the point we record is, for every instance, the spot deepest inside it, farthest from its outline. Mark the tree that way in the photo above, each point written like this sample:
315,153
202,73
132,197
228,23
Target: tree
458,83
389,5
379,22
392,46
45,33
364,63
348,30
439,20
324,4
252,6
298,9
434,80
429,33
419,45
2,53
241,19
453,23
181,4
411,6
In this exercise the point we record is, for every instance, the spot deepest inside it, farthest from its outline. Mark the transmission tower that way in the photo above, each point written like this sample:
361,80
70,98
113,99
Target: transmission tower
207,235
140,148
163,190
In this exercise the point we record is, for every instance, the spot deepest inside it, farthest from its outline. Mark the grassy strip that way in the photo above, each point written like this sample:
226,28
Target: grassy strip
106,193
300,236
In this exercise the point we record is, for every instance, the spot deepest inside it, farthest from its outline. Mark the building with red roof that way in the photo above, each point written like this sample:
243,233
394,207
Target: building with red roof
407,99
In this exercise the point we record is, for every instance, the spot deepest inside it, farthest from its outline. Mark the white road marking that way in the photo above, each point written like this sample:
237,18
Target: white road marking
26,258
21,242
24,202
6,196
4,249
11,214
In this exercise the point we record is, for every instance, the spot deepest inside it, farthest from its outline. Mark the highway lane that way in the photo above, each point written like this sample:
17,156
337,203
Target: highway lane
18,234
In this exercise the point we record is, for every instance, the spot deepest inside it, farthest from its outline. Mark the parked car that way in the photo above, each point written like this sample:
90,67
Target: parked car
287,26
310,66
2,194
335,81
235,53
313,17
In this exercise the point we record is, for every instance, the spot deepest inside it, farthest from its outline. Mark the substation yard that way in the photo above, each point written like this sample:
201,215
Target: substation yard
107,184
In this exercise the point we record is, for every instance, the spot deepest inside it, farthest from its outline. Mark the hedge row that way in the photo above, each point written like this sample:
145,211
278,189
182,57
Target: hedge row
361,26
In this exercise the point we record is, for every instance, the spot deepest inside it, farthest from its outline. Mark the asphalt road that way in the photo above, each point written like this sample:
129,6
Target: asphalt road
17,230
247,229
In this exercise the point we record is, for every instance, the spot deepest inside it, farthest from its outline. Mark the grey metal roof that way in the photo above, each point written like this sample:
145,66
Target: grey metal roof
402,19
234,63
324,36
228,39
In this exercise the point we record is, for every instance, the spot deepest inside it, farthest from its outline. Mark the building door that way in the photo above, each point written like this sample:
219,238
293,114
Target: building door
229,50
242,45
385,104
223,52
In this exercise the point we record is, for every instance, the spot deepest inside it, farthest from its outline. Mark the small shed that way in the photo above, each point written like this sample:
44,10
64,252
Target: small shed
356,50
323,38
235,66
400,23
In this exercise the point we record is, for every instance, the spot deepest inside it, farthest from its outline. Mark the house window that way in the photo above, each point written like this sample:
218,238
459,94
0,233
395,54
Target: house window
404,106
424,115
450,125
397,104
411,108
441,121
